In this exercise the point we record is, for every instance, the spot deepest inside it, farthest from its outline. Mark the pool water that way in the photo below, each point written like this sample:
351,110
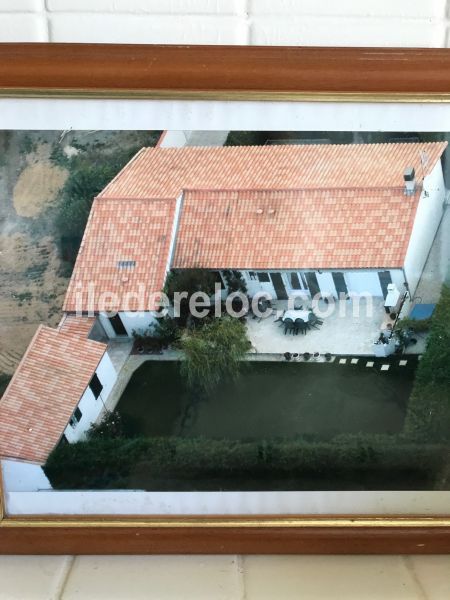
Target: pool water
270,399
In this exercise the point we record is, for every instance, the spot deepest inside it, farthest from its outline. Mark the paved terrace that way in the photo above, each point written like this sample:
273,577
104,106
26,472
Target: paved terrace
340,333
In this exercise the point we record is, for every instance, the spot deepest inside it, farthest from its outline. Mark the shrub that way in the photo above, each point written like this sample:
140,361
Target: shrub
4,381
428,412
190,281
166,330
166,463
161,334
110,427
235,281
214,353
414,325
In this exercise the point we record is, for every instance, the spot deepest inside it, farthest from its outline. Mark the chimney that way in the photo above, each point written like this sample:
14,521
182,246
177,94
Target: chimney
409,176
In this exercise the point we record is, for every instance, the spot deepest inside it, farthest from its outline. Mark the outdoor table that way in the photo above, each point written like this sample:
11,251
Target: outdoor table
296,314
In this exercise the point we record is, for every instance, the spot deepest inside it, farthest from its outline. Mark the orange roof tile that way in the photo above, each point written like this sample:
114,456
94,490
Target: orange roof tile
126,245
44,391
164,172
128,223
294,229
77,325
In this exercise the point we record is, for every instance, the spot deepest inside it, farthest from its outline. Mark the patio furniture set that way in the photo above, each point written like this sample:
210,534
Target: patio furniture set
299,320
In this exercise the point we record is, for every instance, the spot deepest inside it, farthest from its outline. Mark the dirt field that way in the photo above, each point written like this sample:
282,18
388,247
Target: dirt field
39,183
32,278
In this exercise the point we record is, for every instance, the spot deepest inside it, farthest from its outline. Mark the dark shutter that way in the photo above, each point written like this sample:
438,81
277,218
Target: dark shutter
96,386
385,279
295,282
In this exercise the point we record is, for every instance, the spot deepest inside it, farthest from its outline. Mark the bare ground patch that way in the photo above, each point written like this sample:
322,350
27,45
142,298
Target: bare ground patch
34,166
38,184
32,292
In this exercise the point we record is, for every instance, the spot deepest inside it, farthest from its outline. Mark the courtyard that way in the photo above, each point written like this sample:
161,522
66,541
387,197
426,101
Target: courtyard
349,329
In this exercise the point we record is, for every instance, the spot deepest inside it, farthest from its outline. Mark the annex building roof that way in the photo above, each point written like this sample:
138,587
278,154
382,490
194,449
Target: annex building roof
45,390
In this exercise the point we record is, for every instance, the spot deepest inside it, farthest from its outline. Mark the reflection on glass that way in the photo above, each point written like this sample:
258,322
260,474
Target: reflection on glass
272,314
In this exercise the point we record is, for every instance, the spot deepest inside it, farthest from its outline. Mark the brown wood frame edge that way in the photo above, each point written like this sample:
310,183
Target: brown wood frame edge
224,72
232,540
264,72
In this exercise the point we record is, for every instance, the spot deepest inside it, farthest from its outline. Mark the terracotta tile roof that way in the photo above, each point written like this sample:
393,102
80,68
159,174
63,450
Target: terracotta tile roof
77,325
44,392
126,245
295,229
132,218
164,172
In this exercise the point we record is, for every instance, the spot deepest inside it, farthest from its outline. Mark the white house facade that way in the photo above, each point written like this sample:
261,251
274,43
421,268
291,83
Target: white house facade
93,400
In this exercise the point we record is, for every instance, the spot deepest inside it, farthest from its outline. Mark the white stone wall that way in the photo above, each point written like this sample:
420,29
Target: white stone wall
428,216
89,405
174,139
132,321
138,502
358,281
21,477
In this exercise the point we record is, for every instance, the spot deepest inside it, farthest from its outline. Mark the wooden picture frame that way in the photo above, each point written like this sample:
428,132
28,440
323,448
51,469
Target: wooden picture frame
219,72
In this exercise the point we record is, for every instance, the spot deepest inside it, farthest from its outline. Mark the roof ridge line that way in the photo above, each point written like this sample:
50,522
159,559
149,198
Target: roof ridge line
296,189
405,143
147,199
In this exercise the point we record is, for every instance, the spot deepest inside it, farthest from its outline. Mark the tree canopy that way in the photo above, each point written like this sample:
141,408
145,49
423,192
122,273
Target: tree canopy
214,353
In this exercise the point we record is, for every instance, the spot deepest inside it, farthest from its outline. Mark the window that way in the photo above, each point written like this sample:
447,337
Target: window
126,264
252,275
264,277
295,281
96,386
76,417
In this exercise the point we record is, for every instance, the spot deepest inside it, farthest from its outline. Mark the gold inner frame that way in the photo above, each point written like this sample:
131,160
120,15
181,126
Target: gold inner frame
385,97
199,521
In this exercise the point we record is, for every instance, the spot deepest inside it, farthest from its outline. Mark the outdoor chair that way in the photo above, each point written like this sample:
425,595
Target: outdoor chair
289,326
279,320
301,325
317,321
313,321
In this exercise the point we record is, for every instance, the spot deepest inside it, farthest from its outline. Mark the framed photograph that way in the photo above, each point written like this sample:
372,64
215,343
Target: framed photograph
224,300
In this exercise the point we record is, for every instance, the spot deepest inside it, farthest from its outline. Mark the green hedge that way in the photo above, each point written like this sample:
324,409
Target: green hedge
428,413
146,463
4,381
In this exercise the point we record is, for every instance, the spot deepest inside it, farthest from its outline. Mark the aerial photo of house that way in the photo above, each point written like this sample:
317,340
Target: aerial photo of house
347,225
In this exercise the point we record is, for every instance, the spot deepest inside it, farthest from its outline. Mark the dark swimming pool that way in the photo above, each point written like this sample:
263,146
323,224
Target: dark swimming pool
270,399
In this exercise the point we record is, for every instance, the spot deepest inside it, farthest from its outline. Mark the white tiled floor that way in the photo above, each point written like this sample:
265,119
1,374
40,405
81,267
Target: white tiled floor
225,578
315,22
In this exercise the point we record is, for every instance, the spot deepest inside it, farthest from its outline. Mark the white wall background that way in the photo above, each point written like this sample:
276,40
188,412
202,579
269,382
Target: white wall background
406,23
422,23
